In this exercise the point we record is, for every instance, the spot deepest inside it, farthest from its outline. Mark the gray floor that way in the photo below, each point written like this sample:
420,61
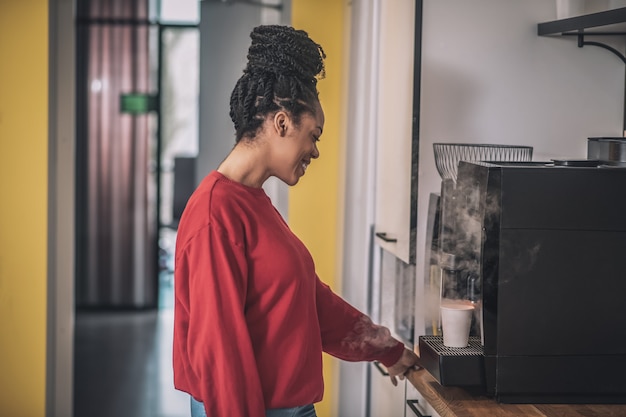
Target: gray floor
123,366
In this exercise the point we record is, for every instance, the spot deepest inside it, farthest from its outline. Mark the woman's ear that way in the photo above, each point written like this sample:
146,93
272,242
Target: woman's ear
281,120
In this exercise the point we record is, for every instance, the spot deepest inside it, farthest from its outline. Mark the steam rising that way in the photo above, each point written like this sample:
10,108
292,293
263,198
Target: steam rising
468,213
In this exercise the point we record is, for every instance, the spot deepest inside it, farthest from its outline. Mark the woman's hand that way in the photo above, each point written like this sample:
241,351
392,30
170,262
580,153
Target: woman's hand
406,363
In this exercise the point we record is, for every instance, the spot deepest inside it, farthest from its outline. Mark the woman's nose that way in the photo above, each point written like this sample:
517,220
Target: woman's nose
316,152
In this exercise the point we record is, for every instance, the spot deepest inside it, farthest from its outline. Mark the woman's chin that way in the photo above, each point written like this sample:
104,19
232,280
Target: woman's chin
291,181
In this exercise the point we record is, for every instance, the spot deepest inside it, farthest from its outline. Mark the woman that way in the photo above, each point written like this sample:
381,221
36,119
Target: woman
251,316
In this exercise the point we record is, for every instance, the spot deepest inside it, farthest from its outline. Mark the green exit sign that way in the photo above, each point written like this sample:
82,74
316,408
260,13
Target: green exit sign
138,103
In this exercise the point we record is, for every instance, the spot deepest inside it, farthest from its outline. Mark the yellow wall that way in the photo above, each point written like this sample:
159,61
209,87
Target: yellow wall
23,205
314,202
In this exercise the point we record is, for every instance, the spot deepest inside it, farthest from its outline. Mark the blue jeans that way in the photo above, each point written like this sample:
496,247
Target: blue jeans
197,410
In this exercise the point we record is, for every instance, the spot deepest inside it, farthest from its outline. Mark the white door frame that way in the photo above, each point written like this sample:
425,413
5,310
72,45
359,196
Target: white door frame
61,215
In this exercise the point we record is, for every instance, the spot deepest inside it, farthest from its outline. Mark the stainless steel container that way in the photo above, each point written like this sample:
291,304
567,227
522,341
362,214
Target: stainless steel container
610,150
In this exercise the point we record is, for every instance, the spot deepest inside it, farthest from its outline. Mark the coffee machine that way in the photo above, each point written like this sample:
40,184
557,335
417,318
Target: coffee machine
547,242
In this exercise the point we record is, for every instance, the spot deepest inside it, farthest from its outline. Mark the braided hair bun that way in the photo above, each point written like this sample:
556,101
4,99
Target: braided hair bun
283,68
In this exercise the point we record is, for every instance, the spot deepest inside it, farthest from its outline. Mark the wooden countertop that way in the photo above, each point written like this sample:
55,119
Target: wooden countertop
457,402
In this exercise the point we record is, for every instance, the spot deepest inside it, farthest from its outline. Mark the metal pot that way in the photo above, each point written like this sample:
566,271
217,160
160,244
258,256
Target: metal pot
610,150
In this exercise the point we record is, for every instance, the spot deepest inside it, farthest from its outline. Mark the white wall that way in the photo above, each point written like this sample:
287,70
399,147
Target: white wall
488,78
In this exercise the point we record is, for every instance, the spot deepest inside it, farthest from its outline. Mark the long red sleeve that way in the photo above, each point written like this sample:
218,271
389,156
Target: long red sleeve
350,335
212,331
251,316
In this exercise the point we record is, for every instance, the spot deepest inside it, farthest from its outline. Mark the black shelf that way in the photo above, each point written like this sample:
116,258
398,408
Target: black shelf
610,22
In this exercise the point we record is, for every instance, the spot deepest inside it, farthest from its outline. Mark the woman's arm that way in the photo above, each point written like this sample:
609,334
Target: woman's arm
213,355
350,335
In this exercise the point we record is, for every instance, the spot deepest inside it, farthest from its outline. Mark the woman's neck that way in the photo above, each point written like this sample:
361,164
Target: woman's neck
244,164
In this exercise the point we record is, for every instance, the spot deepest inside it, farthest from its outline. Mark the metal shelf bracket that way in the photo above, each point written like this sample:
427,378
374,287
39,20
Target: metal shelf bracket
582,42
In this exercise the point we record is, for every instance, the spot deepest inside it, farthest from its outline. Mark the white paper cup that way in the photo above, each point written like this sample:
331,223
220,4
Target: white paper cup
456,319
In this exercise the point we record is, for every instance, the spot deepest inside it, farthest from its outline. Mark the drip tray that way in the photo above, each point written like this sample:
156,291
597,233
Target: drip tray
453,366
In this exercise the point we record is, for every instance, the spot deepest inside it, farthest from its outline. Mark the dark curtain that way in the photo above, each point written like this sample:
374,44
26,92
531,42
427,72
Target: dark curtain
117,227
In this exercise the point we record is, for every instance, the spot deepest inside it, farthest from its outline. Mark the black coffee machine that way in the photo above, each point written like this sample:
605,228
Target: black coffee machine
548,240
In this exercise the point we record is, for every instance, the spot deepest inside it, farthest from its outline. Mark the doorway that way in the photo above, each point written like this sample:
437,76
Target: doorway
137,117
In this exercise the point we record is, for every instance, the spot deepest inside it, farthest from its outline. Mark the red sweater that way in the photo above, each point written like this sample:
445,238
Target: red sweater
251,316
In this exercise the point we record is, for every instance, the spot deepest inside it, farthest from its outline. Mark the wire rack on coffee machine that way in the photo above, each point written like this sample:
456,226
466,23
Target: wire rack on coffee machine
448,155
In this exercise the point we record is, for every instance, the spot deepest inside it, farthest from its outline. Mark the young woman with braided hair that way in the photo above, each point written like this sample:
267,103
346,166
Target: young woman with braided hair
251,315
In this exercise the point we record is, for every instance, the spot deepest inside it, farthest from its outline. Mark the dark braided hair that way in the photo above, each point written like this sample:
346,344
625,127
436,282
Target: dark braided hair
283,67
